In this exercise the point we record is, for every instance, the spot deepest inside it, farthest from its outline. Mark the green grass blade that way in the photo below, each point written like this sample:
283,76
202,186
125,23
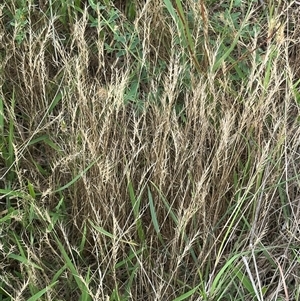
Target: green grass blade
55,101
186,29
58,273
77,177
9,216
244,280
222,273
171,10
31,189
106,233
15,194
222,59
129,258
25,261
83,239
11,154
102,230
181,23
154,216
38,295
81,285
167,205
1,117
187,294
136,202
47,140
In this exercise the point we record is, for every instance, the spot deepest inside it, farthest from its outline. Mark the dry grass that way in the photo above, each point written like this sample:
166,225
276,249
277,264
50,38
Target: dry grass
127,179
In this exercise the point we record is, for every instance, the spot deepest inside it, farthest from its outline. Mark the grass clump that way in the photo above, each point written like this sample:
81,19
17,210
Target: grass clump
149,150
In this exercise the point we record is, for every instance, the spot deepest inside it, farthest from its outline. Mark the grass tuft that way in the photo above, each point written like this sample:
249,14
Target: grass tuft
149,150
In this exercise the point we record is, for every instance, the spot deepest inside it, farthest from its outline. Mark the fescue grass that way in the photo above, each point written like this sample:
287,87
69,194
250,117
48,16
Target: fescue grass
149,150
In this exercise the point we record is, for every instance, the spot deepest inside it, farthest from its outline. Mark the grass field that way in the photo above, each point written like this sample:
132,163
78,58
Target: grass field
149,150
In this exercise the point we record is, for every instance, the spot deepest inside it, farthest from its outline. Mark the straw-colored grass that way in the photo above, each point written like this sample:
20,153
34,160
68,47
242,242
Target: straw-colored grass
149,150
